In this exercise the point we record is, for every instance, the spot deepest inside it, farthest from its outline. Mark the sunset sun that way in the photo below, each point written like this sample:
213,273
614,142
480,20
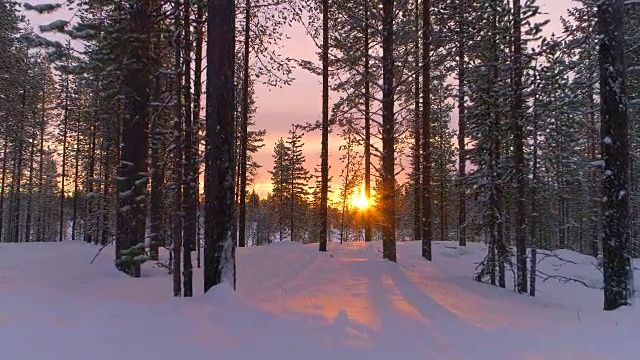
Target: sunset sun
359,200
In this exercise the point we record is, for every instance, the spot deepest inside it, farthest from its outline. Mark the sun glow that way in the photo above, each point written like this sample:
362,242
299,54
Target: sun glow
359,200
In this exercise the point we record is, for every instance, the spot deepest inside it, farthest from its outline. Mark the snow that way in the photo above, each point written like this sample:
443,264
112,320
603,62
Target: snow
294,302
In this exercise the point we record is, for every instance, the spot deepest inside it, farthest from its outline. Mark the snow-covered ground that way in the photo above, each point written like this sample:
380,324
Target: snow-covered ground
294,303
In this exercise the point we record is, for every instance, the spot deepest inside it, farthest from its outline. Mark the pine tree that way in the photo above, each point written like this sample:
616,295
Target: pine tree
280,178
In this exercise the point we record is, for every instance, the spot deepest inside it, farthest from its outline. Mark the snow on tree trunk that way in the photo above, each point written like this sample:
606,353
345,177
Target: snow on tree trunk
614,132
132,173
220,224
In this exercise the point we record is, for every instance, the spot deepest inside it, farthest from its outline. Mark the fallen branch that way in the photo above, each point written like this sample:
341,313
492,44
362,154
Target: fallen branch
99,250
561,278
164,266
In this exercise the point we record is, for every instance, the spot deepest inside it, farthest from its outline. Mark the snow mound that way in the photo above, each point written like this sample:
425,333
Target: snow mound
220,294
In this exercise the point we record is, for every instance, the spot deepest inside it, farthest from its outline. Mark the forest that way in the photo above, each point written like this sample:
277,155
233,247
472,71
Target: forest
131,125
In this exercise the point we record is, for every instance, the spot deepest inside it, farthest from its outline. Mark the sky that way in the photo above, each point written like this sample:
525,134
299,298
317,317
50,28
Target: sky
299,103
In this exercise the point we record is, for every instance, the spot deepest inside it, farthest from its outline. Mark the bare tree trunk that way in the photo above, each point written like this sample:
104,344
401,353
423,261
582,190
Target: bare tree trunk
197,95
426,131
132,172
176,218
41,211
443,188
242,217
324,151
462,126
417,138
596,178
76,177
90,201
535,217
614,131
345,192
388,135
3,184
16,178
189,211
63,173
220,224
368,233
518,152
28,216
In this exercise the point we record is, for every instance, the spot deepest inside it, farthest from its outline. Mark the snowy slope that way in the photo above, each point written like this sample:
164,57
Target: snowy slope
295,303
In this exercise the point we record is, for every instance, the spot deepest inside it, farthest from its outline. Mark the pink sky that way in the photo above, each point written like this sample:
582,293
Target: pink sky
299,103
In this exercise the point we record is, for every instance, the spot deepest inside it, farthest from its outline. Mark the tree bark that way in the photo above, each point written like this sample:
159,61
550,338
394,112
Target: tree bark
220,228
177,215
197,97
462,126
518,152
132,173
76,178
614,132
242,217
368,231
426,200
324,151
3,184
417,138
189,210
388,135
63,173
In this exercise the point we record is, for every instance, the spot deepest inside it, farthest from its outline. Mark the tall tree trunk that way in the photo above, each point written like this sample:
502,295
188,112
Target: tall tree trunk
242,217
28,213
324,151
17,191
368,233
63,173
106,200
518,152
132,172
292,201
41,204
462,126
427,232
220,228
157,168
176,216
90,201
535,217
197,97
388,135
417,138
3,184
443,186
76,179
614,131
596,177
345,189
189,210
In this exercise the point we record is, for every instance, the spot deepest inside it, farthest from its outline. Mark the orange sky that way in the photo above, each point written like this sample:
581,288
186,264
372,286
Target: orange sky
301,102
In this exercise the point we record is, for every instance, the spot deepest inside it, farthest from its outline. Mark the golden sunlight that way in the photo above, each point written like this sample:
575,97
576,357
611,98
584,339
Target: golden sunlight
359,200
